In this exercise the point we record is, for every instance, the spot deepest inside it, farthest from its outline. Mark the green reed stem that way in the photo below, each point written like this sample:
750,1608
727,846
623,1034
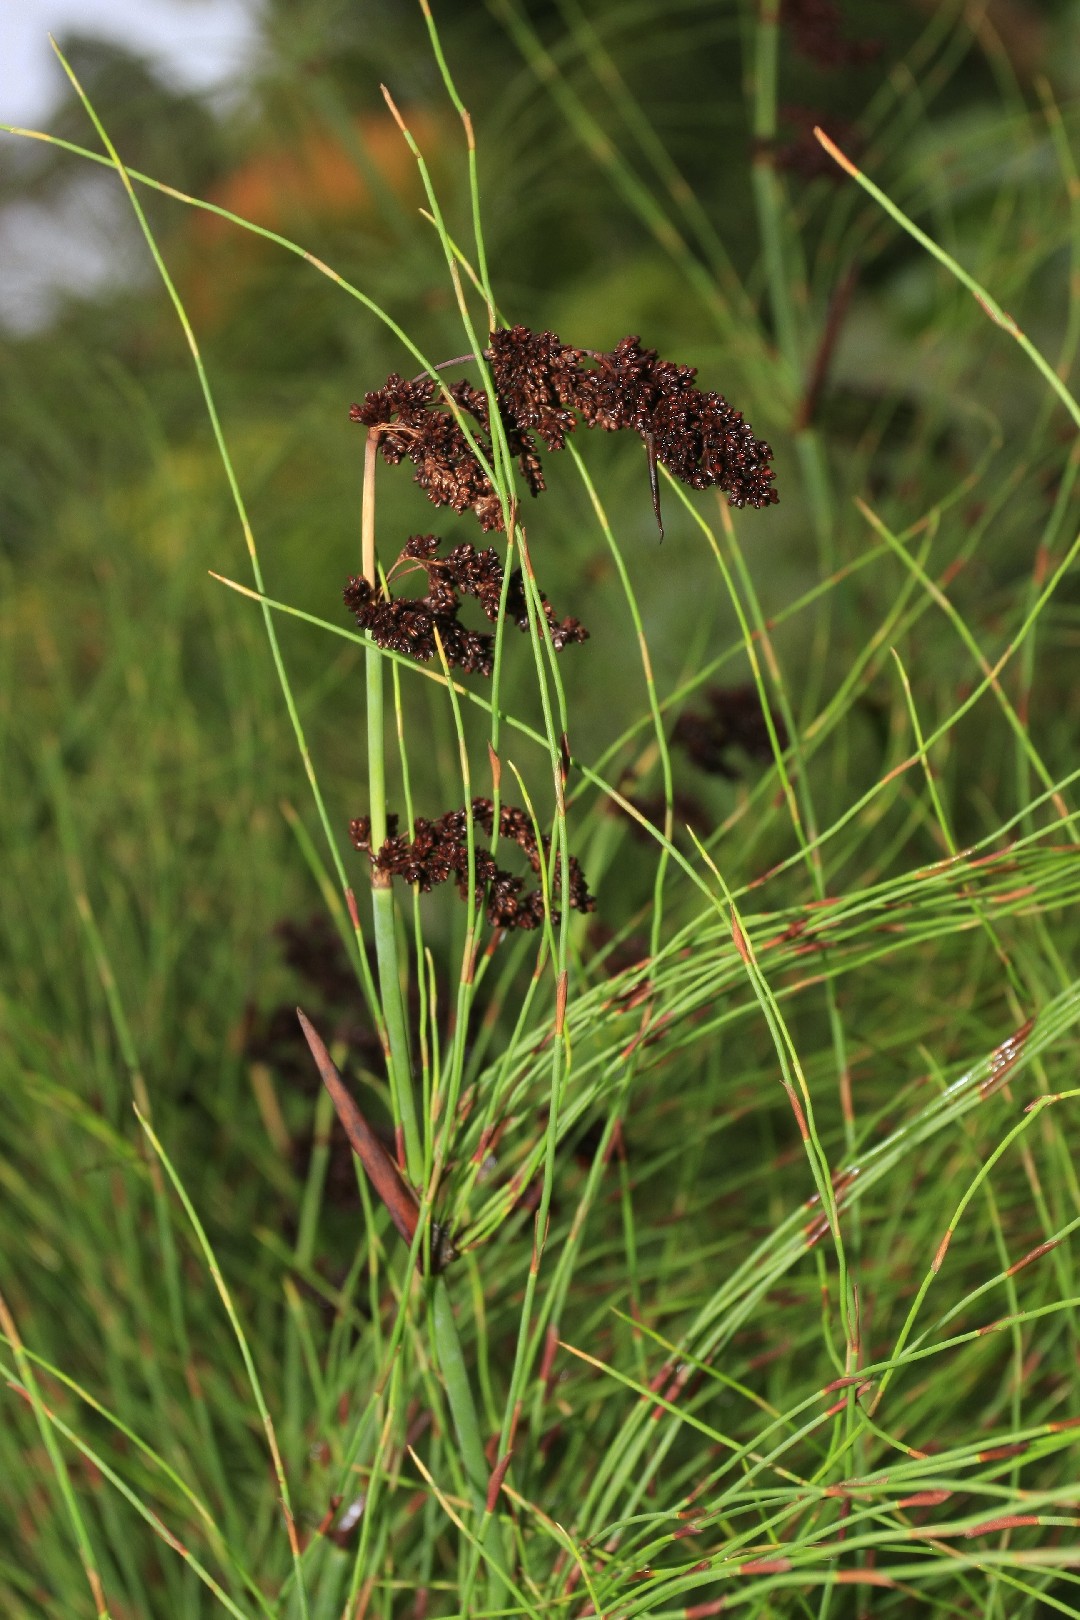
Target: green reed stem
655,706
985,300
492,1543
784,273
384,912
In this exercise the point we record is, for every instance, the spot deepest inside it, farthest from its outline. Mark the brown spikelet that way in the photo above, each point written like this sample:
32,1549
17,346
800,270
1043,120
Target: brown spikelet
544,389
438,851
409,624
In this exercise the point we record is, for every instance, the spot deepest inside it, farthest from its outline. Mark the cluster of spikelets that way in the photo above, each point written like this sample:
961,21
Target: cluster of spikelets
418,625
543,389
439,850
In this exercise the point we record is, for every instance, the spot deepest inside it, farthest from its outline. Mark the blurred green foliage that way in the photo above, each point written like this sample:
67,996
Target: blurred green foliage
146,754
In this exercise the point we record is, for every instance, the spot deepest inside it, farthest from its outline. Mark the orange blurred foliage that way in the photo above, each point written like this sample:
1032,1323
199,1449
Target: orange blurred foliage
318,180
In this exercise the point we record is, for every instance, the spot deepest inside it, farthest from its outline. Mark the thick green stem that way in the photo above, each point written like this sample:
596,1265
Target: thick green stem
382,899
393,1001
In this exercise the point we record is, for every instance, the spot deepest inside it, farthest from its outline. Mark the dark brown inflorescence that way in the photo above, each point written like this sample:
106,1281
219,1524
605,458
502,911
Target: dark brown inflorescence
734,719
538,382
409,624
544,387
438,850
447,468
817,33
698,437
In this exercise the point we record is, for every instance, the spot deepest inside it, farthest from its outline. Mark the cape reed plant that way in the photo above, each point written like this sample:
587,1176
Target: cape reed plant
683,1224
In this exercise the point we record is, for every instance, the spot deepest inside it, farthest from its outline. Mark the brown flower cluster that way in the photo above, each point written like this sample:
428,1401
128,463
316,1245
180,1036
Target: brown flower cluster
733,719
409,624
438,850
817,33
447,468
544,387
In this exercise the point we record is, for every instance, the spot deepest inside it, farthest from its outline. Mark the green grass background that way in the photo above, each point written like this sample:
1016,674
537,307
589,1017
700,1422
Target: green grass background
157,823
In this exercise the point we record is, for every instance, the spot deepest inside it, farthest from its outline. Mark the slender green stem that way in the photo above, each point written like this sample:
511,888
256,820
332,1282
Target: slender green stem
784,272
655,706
492,1544
254,1381
46,1422
384,912
987,303
769,196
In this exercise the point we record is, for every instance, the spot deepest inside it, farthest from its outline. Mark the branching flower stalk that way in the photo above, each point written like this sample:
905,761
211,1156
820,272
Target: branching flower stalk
539,389
445,1336
537,386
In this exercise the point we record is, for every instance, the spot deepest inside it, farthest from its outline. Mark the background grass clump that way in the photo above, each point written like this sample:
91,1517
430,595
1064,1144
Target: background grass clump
763,1173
